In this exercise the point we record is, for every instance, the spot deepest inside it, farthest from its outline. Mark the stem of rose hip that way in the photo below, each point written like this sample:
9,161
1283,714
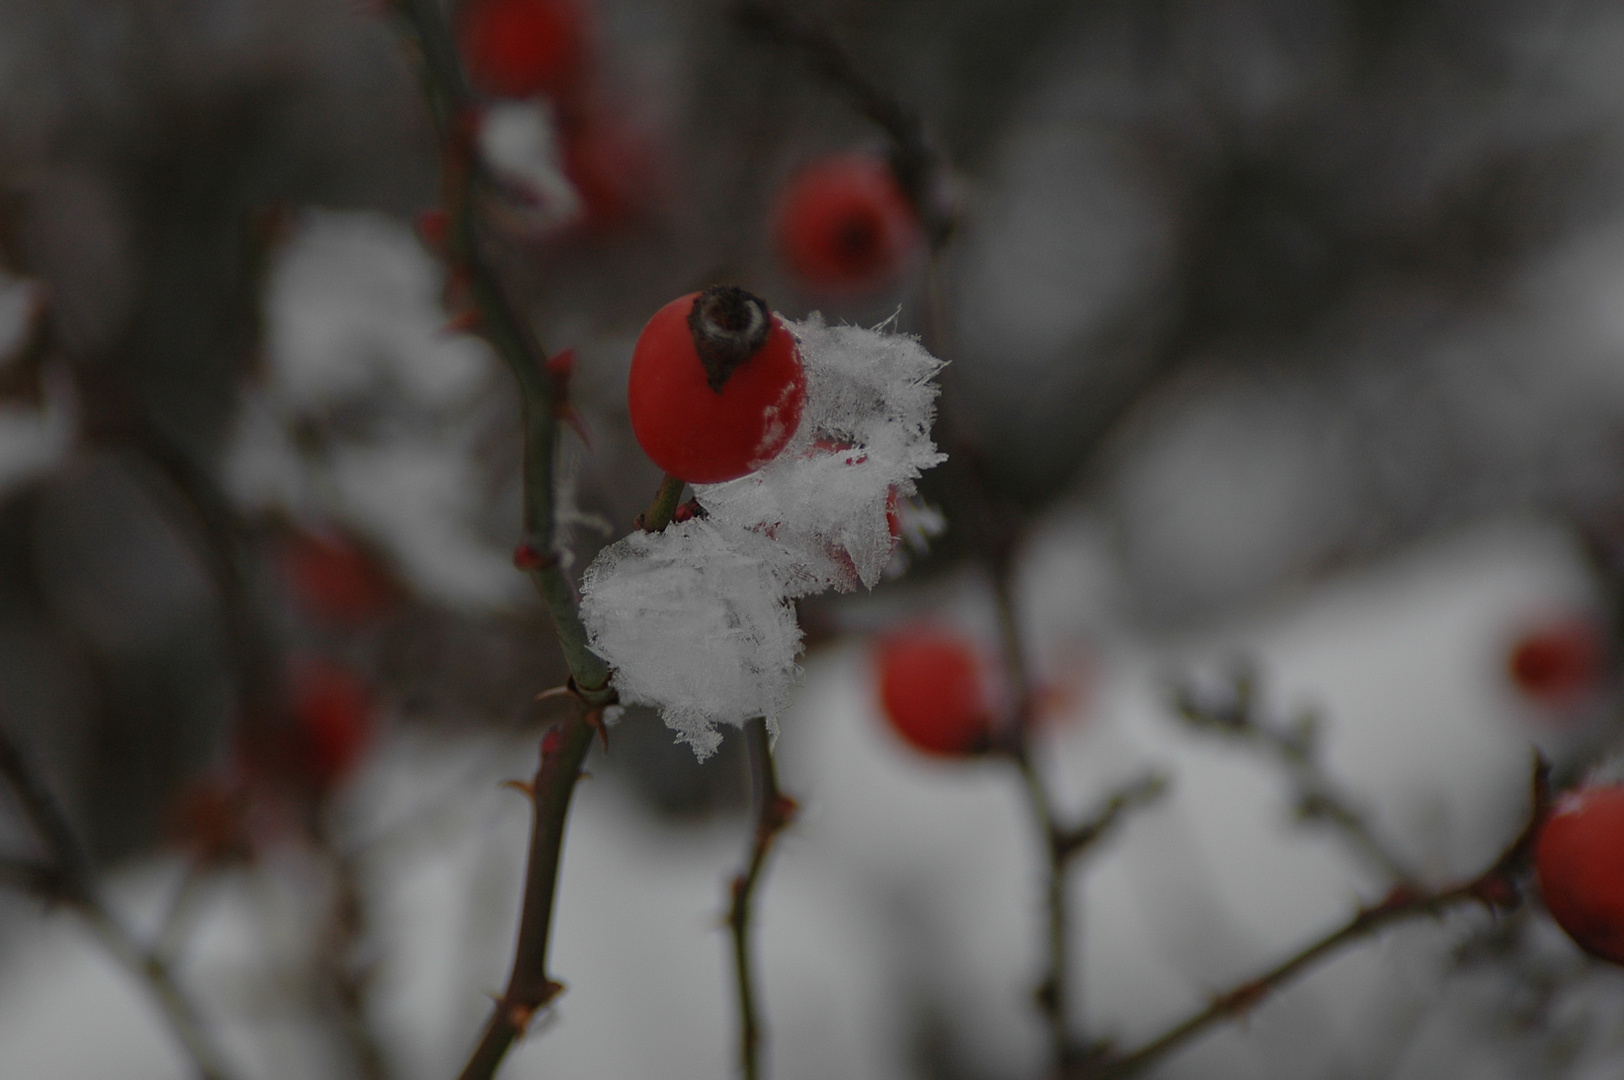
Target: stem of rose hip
773,811
666,500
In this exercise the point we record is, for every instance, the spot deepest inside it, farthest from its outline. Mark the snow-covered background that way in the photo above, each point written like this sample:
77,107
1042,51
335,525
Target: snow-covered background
1284,332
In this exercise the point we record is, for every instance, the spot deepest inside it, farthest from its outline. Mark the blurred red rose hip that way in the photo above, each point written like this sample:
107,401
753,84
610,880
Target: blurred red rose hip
933,691
1580,855
844,226
1559,663
335,580
333,715
519,48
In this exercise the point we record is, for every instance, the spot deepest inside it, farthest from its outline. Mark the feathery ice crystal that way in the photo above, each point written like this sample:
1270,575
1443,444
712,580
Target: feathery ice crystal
697,620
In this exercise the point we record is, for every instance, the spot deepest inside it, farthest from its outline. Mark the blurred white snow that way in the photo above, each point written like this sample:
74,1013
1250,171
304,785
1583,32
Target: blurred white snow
914,881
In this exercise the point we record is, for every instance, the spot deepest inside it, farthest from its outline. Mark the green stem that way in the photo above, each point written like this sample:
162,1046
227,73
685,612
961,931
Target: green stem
665,504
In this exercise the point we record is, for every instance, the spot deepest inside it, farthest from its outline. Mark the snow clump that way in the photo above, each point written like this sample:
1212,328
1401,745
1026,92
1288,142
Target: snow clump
697,620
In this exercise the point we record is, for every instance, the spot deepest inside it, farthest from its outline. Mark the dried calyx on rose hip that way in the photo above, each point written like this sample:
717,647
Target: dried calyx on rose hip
934,692
1580,855
716,386
844,226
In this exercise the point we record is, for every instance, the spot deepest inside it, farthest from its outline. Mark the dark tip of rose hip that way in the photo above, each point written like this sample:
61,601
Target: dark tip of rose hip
728,326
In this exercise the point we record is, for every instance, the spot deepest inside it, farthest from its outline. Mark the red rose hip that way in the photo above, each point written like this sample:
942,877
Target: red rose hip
518,48
933,692
844,226
1559,663
1580,855
716,386
332,722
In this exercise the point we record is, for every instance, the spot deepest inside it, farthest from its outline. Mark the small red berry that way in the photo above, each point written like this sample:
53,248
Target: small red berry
332,722
1560,663
1580,855
210,819
518,48
716,386
615,170
933,691
844,226
434,229
336,581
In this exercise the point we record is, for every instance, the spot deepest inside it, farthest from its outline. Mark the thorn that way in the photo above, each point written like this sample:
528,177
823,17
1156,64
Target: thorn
434,229
1497,891
526,557
782,811
455,293
523,787
595,718
468,322
1401,895
1243,999
566,412
520,1016
688,511
561,367
555,692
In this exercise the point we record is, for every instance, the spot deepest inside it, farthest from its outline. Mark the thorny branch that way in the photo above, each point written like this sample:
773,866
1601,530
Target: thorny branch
1238,715
565,747
1495,888
68,878
454,108
529,987
773,812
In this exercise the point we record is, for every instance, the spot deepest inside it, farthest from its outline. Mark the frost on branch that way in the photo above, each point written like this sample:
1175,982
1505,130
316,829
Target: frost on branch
697,620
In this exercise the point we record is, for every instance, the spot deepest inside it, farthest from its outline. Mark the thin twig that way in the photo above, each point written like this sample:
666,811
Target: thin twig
347,981
773,812
71,880
529,987
1077,839
1495,888
1054,993
30,876
1239,716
